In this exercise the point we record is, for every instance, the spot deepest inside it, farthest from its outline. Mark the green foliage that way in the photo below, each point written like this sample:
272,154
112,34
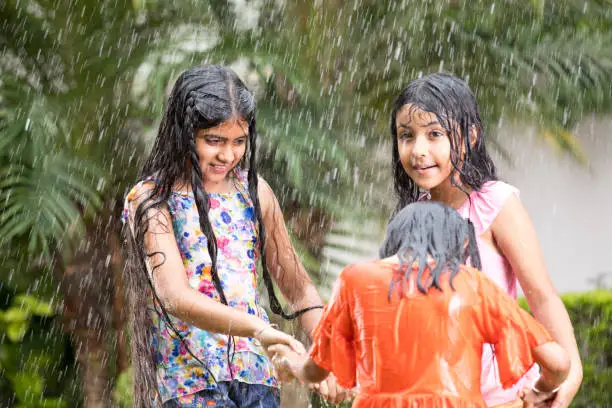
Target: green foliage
122,394
327,73
591,314
15,320
318,402
547,62
37,368
29,389
46,190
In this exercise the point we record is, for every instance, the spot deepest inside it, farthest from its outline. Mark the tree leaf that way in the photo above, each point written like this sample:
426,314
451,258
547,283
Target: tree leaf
15,331
34,305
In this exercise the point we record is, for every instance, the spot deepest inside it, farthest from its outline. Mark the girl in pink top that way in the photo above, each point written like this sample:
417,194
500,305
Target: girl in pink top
439,154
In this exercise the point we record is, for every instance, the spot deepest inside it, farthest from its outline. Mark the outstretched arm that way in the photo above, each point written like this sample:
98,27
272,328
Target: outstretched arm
290,364
515,235
167,272
283,262
293,281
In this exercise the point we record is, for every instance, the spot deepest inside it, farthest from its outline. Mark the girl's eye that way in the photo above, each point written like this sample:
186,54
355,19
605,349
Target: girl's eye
240,142
436,133
404,136
213,140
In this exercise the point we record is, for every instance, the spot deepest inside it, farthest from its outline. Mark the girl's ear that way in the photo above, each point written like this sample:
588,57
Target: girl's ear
474,135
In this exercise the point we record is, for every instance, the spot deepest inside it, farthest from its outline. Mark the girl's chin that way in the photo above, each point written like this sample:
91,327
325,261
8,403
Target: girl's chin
425,183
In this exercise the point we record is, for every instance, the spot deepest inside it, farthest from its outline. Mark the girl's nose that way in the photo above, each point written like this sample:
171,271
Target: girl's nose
420,146
226,154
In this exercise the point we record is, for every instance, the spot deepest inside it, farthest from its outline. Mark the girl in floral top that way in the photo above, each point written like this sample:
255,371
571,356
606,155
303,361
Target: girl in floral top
198,224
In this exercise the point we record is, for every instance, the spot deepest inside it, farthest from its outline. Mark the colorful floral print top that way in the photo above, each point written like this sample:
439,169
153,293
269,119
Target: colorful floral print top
233,222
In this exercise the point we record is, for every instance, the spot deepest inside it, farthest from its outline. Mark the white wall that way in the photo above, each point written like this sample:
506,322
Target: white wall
570,204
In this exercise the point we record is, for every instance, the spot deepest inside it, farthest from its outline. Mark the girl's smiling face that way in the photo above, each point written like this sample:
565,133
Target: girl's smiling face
424,147
220,149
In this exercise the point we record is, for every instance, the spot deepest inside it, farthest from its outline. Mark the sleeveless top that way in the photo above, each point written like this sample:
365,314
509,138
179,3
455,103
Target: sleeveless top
233,220
481,209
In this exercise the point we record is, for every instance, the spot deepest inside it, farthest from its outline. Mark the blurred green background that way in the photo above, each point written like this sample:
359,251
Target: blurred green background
82,88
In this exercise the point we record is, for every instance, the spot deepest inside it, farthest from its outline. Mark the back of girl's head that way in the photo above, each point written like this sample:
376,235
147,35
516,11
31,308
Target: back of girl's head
430,229
454,104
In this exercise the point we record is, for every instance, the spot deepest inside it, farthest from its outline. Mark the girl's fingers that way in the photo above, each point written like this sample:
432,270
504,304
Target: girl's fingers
323,389
272,338
290,341
293,344
529,396
297,346
275,349
332,392
278,348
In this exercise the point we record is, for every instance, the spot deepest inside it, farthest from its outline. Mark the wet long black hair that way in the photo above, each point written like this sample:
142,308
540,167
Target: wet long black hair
429,228
455,107
202,98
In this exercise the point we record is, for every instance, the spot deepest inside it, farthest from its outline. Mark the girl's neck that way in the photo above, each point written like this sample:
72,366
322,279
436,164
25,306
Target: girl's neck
224,187
448,194
394,260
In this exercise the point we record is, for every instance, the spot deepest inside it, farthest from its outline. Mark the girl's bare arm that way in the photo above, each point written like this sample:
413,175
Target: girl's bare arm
554,364
515,235
166,268
283,263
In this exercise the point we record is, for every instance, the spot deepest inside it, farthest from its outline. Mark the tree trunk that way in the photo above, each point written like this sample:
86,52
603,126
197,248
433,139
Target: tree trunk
86,318
94,314
117,262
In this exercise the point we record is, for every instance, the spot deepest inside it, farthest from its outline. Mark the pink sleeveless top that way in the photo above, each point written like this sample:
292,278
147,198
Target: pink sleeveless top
482,208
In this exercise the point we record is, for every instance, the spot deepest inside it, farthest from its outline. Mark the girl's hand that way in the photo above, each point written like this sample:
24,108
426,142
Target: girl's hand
288,363
282,368
565,395
536,399
331,390
269,336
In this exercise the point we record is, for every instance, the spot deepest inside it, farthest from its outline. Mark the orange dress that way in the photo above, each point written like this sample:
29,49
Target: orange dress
418,350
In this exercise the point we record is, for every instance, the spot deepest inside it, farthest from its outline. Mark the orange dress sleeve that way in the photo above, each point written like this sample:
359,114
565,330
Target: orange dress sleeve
333,347
511,329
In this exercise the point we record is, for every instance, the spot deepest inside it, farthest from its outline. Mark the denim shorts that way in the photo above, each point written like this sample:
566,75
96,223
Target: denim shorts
230,394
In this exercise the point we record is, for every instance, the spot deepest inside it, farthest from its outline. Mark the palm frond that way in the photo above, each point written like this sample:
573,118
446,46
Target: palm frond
46,192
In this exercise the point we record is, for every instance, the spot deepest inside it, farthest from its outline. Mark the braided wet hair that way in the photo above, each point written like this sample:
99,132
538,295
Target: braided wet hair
202,97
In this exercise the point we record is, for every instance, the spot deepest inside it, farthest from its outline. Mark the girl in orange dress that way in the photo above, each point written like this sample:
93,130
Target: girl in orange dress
408,330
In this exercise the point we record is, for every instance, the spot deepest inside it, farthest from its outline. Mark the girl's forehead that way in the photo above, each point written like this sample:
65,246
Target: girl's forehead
411,114
233,127
235,121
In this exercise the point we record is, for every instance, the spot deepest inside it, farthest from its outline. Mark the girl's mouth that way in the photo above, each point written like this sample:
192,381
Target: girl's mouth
218,169
424,169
